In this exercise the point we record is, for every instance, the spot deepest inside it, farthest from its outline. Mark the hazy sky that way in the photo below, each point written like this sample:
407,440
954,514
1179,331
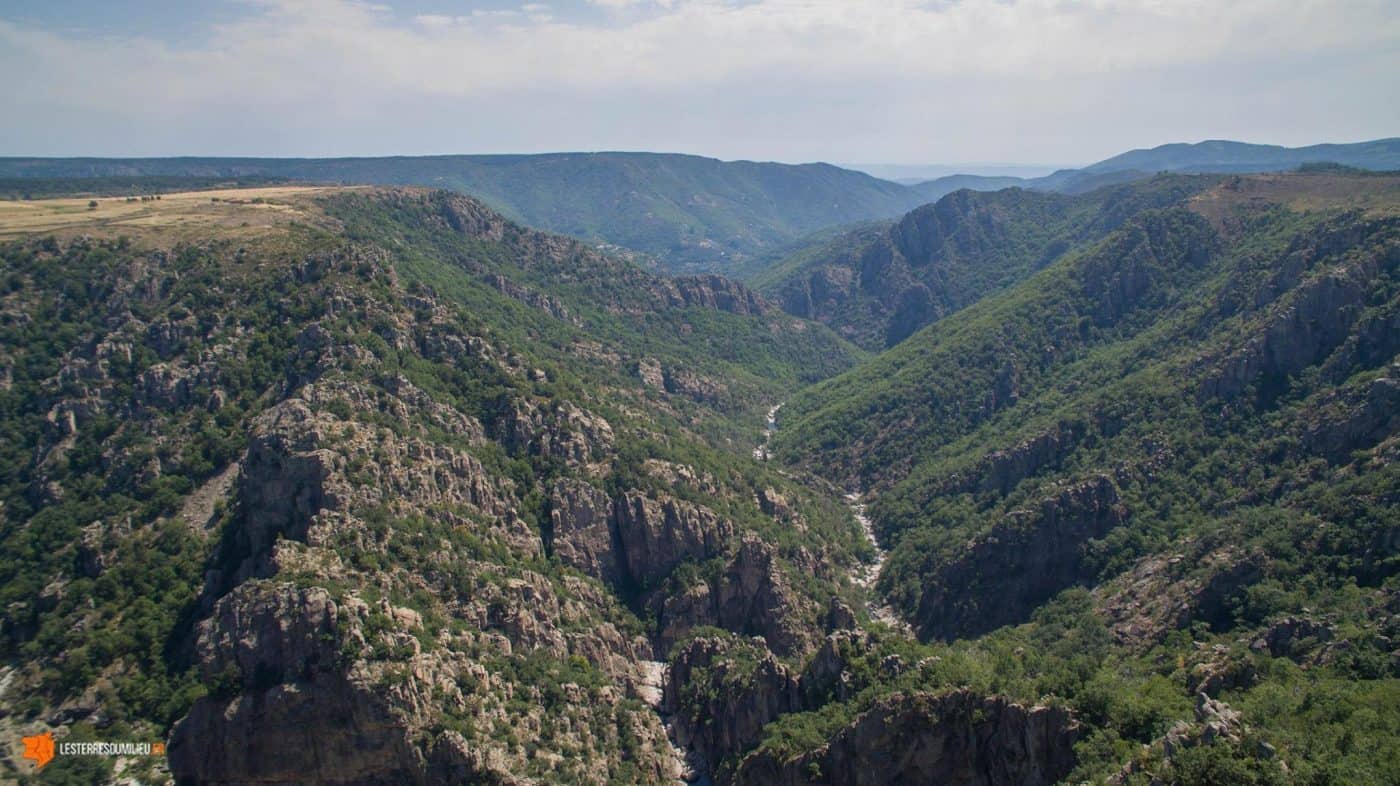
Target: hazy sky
910,81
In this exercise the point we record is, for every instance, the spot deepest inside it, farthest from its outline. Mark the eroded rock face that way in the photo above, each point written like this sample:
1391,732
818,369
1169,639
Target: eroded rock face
685,382
562,431
719,293
1003,470
1028,557
1361,421
584,536
1216,723
1315,318
657,533
723,692
306,466
265,632
1286,637
958,738
750,597
649,371
275,648
753,597
634,543
530,297
1162,593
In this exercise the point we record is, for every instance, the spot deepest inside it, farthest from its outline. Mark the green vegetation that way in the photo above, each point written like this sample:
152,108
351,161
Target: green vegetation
878,284
1144,448
683,213
686,213
109,488
1229,387
754,357
134,376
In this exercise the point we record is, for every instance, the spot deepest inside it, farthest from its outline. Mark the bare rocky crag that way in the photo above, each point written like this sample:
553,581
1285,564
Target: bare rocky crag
956,738
723,692
343,686
636,540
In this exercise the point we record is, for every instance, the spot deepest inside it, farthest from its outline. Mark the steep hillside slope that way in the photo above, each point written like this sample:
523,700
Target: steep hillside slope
1164,466
1213,156
877,285
388,490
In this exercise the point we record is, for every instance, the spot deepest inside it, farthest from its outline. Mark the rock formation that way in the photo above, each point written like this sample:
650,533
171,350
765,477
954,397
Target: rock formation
957,738
999,577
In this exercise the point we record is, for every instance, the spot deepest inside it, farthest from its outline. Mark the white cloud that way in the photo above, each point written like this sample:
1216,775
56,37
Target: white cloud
986,65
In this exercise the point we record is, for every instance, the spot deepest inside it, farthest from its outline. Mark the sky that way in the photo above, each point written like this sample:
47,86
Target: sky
1046,82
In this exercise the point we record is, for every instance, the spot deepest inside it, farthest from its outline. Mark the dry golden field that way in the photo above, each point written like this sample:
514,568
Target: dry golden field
1301,192
253,209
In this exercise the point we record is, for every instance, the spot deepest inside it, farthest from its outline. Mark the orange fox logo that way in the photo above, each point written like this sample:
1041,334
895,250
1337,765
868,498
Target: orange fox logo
39,748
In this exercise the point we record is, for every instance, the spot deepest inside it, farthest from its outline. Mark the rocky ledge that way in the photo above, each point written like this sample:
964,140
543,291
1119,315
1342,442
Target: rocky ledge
958,738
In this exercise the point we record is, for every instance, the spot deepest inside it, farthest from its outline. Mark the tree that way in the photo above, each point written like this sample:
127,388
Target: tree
92,204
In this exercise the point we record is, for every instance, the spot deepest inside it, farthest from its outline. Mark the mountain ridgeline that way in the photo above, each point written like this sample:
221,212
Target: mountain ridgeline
686,213
680,213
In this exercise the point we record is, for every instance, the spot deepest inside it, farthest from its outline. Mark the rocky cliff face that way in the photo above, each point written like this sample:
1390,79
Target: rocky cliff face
657,534
719,293
750,596
999,577
1313,317
635,541
724,691
277,647
334,686
381,608
955,738
1163,593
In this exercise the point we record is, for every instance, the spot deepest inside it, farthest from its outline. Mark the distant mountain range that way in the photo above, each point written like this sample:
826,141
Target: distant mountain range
921,173
1218,155
1212,156
692,213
